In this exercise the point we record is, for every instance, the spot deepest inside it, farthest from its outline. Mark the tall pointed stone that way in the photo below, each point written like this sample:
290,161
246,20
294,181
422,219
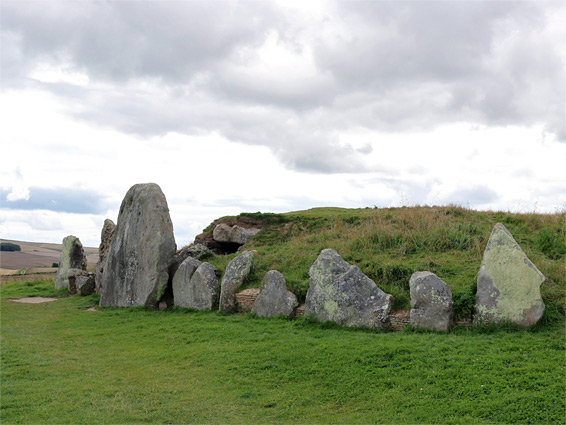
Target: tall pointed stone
341,293
508,283
106,235
136,270
72,257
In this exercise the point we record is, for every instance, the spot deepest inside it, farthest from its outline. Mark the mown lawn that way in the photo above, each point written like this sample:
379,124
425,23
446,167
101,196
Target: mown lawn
62,364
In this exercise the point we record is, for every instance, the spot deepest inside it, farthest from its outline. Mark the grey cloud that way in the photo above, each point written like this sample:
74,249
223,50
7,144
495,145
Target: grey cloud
396,66
472,196
123,40
60,200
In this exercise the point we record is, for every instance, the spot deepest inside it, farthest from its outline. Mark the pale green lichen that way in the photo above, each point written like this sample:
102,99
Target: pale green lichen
515,279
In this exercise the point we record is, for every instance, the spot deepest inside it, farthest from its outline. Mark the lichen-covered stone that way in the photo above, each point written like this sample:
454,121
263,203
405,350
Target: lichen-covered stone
202,287
431,302
194,285
237,271
106,235
508,283
137,268
72,257
274,299
181,281
235,234
84,284
341,293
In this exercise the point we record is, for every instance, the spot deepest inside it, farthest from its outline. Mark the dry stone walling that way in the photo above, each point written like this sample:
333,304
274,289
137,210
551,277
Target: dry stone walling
274,299
431,302
72,257
106,235
508,283
137,268
341,293
194,285
237,271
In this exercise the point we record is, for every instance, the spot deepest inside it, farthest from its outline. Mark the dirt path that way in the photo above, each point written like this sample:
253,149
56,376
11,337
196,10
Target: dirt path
34,300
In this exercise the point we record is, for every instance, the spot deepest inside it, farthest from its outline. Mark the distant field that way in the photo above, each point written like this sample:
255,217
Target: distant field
37,254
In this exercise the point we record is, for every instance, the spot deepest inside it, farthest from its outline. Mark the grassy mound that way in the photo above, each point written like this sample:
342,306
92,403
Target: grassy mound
388,245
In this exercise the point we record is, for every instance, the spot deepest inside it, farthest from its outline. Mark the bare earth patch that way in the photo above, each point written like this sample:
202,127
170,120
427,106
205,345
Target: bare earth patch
91,309
34,300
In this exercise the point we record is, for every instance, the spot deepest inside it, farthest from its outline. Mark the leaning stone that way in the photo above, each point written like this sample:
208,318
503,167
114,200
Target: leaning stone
431,302
236,272
341,293
85,284
274,298
106,235
508,283
72,257
136,270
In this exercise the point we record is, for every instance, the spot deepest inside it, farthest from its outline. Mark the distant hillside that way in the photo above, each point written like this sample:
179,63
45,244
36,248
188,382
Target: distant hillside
38,254
390,244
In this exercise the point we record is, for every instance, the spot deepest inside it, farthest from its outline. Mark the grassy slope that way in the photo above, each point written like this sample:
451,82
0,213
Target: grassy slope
62,364
390,244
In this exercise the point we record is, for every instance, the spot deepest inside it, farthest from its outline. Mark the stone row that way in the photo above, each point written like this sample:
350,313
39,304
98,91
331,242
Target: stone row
138,265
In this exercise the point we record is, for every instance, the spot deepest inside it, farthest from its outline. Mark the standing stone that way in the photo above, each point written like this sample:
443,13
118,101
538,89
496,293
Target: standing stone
274,298
72,257
106,235
431,302
202,287
236,272
136,269
341,293
194,285
508,283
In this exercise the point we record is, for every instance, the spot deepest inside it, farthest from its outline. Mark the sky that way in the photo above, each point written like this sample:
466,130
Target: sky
276,106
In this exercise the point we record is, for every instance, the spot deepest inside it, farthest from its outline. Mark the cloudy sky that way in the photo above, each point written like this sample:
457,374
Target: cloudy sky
235,106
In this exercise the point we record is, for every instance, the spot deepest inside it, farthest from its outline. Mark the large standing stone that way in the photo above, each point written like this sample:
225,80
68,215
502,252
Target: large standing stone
274,298
341,293
136,270
431,302
106,235
236,272
194,285
508,283
72,257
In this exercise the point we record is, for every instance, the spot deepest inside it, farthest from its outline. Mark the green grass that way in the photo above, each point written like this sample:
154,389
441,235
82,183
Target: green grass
388,245
62,364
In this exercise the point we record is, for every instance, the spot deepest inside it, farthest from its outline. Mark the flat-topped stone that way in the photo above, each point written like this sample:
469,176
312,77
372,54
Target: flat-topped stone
431,302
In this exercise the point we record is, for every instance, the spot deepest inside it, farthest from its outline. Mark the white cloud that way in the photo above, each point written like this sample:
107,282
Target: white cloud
277,106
